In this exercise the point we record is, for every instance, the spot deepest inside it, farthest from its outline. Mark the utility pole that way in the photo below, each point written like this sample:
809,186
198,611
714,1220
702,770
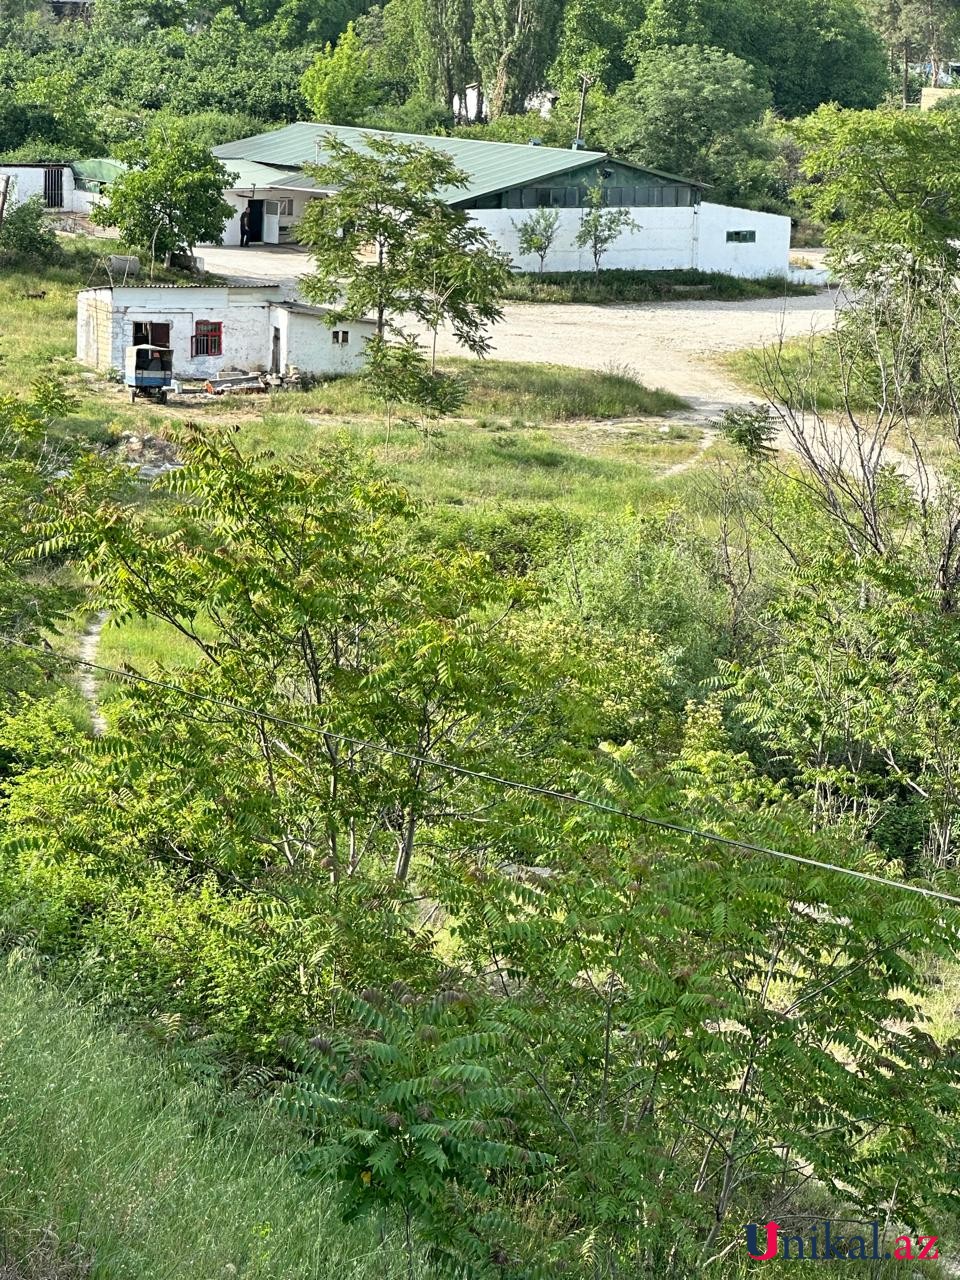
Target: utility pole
585,82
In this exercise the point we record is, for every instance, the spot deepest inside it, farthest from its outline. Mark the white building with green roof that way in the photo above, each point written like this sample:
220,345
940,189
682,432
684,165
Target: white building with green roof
677,227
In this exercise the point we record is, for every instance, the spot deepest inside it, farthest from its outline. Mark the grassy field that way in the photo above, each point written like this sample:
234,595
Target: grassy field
506,389
122,1163
806,367
620,285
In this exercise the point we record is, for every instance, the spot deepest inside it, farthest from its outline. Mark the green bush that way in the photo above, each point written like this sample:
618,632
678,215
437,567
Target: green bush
26,232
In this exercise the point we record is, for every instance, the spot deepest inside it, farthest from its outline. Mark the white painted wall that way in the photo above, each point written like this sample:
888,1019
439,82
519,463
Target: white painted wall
666,239
310,346
277,230
769,256
28,181
105,320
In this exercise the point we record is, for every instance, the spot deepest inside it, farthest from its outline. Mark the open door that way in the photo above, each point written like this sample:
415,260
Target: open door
271,222
275,352
255,209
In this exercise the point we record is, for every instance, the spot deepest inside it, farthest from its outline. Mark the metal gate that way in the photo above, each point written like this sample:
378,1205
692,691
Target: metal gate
53,187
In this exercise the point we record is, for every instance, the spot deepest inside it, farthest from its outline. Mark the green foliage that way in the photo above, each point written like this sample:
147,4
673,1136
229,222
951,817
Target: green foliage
600,227
699,112
30,602
428,259
339,87
537,232
171,196
813,51
753,430
414,1109
26,231
885,185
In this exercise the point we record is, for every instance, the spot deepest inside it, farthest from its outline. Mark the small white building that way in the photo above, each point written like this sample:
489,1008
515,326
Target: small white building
212,328
63,188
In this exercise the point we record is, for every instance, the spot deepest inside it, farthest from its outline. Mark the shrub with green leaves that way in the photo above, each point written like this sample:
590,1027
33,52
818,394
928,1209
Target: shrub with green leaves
26,231
414,1104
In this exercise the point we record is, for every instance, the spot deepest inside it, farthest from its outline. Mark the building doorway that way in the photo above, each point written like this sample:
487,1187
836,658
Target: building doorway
275,352
149,333
255,210
53,187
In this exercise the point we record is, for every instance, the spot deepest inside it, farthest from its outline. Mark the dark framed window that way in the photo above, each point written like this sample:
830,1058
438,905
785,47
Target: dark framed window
741,237
341,337
207,338
151,333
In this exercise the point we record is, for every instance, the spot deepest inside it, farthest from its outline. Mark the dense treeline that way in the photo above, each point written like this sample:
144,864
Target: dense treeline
74,88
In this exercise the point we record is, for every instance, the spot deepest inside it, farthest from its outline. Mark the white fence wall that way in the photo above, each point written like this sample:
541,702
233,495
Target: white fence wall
27,181
664,240
769,255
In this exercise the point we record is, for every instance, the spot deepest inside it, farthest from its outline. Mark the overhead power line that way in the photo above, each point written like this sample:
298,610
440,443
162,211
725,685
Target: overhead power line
511,784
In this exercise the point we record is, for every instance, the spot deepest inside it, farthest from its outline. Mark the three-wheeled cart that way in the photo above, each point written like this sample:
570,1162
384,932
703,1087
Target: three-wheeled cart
148,371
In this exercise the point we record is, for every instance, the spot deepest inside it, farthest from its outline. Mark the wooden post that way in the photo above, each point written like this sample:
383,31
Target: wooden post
4,188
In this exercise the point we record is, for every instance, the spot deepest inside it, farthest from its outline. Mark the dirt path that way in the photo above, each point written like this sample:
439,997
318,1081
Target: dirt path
89,647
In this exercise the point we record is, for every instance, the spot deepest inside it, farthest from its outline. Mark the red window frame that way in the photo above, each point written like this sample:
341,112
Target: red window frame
207,338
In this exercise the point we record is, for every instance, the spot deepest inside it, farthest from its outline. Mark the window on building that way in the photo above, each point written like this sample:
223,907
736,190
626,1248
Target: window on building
741,237
151,333
285,207
207,338
341,337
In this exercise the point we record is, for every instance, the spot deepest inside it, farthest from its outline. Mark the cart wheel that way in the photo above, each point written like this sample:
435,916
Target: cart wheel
162,397
133,395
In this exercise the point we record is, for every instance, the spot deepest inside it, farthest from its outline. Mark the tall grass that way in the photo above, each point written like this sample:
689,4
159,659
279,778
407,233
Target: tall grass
535,393
112,1158
623,285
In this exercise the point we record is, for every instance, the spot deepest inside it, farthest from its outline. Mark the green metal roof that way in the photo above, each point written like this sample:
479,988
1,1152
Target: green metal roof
250,173
91,174
490,166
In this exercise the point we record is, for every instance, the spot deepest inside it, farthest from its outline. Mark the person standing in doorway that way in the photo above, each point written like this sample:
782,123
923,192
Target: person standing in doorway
245,228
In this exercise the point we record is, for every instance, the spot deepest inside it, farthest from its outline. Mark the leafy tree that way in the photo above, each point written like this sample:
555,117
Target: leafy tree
513,41
416,1108
537,232
171,196
592,42
697,112
813,51
340,87
429,259
601,227
885,185
442,31
918,29
32,598
26,230
400,373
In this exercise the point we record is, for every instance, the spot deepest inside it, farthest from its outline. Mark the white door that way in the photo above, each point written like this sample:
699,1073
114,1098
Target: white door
271,222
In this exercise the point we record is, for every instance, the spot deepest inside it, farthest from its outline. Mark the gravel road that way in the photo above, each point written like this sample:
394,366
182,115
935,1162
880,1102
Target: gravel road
670,345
